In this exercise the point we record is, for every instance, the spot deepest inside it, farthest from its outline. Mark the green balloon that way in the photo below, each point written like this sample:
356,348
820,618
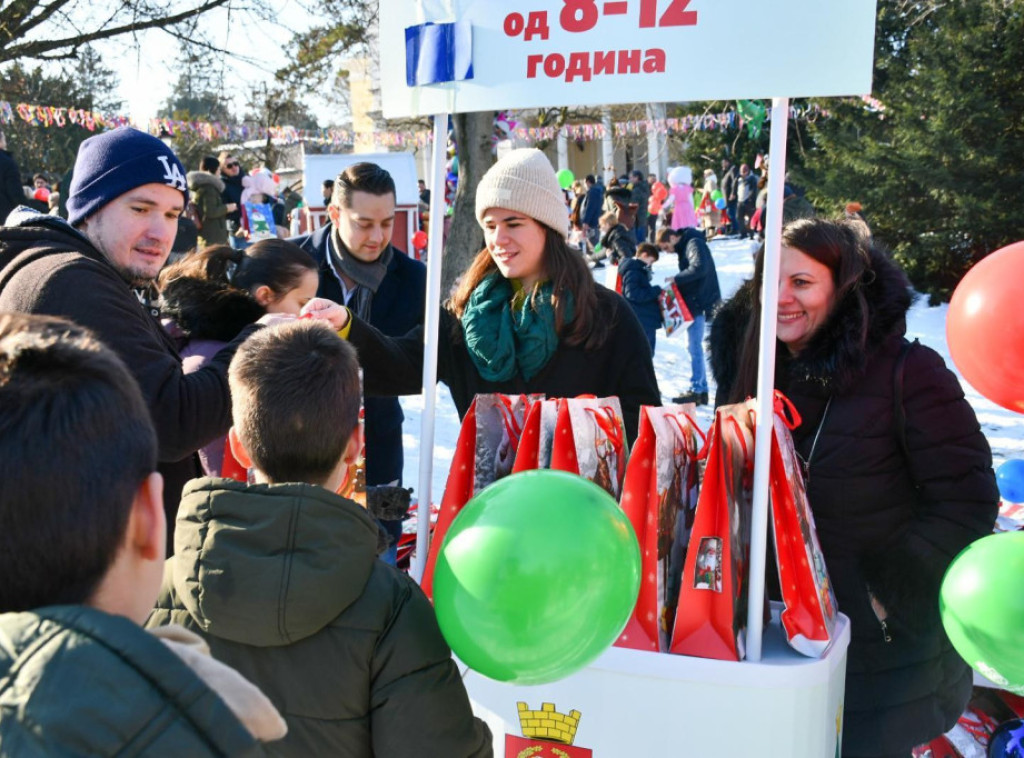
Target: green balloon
982,607
537,576
565,178
716,195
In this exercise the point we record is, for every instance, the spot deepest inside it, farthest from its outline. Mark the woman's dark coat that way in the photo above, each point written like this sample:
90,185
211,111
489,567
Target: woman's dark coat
621,367
888,521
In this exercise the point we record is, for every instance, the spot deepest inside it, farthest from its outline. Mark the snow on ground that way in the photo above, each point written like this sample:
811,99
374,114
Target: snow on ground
734,261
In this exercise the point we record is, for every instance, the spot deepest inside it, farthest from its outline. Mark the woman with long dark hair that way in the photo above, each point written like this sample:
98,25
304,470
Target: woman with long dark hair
527,315
899,476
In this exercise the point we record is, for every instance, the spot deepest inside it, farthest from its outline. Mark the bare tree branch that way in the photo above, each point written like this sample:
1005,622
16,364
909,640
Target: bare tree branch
67,46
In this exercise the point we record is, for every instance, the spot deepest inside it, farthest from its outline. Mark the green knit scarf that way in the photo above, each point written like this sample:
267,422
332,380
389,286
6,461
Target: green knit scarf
507,331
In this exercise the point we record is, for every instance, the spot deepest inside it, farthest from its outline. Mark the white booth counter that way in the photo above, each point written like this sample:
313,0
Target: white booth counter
636,703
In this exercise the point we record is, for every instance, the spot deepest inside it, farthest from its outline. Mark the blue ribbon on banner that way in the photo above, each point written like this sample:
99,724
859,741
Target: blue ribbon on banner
436,53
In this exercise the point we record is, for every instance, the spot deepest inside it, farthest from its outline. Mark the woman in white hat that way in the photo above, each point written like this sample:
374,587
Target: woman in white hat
527,315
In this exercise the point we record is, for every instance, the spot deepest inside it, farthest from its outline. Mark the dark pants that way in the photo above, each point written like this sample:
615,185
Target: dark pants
744,212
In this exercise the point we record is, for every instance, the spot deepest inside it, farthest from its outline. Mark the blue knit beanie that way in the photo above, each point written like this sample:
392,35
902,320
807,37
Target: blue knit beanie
112,163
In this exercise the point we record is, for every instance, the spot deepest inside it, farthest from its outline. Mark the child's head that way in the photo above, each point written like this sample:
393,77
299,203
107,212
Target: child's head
280,275
295,403
608,220
81,508
647,252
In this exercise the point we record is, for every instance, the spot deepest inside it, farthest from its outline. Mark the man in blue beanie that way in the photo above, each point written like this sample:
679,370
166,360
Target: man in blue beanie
123,206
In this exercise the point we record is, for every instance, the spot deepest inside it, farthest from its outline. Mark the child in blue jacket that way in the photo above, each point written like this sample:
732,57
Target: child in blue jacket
641,295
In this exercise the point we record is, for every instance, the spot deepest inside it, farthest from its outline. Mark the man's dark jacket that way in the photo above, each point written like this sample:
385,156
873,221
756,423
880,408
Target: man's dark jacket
48,267
397,307
697,279
11,193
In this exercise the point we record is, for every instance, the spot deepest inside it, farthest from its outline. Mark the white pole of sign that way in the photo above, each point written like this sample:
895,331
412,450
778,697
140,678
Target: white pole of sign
766,376
431,322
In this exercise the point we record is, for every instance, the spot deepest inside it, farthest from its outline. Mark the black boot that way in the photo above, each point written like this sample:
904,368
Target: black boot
700,398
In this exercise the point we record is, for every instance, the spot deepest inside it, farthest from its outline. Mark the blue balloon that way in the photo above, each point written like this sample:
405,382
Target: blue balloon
1010,478
720,203
1007,740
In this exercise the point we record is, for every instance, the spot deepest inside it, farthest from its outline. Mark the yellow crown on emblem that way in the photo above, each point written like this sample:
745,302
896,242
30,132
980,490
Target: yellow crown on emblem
548,724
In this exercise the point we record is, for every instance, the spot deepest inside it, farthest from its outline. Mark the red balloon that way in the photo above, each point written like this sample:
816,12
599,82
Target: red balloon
985,327
419,240
41,194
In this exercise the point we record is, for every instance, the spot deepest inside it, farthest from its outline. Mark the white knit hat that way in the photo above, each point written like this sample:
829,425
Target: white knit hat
524,181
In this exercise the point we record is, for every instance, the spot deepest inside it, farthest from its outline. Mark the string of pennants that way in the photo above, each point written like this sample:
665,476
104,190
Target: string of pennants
48,116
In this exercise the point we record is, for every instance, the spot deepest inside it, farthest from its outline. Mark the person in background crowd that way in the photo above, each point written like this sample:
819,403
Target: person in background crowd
347,647
11,194
654,205
527,316
82,555
746,194
360,268
616,241
207,196
129,190
899,474
642,296
327,190
590,211
231,174
697,282
729,181
639,194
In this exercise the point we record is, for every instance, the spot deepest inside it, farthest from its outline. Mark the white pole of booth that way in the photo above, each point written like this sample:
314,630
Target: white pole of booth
431,322
766,375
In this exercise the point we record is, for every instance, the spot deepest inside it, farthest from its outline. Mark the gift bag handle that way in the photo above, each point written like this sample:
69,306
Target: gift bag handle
674,418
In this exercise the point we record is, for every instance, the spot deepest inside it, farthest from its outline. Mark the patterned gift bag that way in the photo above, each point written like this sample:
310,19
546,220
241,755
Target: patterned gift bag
660,497
711,611
484,453
809,616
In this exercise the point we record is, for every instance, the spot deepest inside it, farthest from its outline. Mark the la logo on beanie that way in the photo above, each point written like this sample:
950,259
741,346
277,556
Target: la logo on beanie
172,174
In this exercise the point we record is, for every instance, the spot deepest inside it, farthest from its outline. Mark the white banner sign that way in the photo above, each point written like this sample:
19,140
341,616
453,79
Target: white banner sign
475,55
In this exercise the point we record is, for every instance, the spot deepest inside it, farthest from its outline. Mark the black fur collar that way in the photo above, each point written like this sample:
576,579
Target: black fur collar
208,310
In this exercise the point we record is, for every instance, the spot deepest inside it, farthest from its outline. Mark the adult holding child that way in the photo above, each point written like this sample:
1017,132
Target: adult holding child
899,475
527,316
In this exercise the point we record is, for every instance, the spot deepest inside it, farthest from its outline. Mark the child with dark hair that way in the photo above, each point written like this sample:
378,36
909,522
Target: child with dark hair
209,297
641,295
82,535
281,576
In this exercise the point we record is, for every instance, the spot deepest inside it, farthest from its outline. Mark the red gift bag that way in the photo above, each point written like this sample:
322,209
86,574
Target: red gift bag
659,496
674,313
711,610
484,453
538,434
809,616
590,440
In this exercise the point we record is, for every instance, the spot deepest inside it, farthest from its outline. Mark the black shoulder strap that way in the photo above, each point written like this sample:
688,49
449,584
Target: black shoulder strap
898,413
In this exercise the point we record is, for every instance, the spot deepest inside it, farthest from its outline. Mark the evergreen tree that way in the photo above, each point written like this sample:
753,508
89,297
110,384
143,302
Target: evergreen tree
938,168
